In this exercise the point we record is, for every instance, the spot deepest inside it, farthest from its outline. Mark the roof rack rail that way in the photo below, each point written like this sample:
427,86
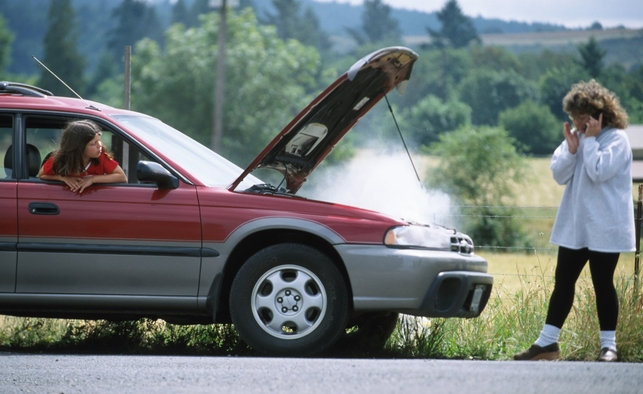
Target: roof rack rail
27,90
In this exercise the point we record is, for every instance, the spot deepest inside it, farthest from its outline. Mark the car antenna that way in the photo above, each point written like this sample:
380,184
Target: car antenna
63,82
403,142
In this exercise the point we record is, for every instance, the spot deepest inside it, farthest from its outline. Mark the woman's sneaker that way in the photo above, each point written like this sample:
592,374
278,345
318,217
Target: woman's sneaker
535,352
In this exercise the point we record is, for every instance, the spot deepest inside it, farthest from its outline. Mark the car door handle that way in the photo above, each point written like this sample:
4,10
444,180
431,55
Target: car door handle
43,208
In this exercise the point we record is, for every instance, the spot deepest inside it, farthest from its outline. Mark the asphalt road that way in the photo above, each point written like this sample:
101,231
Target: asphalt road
31,373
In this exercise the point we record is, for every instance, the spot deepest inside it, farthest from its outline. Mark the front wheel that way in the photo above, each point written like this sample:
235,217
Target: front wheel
289,300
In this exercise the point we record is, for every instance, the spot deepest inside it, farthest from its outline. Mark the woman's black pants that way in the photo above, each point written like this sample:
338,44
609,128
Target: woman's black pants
568,268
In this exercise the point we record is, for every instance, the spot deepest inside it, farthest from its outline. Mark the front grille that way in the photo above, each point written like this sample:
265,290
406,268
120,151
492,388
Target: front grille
461,244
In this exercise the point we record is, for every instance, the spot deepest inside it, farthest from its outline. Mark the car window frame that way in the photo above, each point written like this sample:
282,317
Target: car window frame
4,175
20,134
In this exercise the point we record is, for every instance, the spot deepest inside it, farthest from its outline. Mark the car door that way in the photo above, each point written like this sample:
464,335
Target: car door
8,212
112,240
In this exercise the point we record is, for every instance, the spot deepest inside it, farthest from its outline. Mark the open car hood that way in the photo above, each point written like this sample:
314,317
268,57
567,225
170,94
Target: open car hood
299,148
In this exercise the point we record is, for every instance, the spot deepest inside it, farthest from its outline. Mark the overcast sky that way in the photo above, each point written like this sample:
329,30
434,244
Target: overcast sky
571,13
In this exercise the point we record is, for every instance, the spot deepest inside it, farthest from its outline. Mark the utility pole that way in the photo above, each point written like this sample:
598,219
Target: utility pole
219,83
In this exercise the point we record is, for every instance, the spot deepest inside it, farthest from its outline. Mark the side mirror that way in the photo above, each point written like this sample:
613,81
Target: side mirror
148,171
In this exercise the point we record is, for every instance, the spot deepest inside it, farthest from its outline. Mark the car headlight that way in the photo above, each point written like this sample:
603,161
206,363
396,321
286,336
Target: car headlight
419,236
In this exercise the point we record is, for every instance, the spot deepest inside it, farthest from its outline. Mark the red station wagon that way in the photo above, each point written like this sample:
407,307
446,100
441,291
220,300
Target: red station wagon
193,239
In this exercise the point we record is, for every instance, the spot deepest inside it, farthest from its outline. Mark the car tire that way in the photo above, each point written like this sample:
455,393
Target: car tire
367,334
289,300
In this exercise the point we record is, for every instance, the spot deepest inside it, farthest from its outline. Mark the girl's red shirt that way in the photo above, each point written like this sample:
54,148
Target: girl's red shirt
105,166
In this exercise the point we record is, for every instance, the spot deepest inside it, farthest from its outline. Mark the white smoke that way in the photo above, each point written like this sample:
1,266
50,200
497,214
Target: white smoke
382,182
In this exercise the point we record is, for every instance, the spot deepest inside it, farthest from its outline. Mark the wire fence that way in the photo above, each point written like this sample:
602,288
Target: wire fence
536,222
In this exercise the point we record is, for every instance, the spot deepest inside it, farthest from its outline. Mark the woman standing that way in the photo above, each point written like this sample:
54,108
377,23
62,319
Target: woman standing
595,220
81,159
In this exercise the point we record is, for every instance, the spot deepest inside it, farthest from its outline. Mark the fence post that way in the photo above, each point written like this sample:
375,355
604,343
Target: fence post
637,267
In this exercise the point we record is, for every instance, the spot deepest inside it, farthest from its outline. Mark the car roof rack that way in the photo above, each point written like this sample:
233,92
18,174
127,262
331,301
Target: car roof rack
24,89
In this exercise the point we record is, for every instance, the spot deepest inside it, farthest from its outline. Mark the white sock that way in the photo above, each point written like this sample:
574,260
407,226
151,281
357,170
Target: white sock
608,339
548,335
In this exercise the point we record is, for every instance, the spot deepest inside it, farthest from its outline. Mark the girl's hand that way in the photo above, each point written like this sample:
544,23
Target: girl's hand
85,182
571,136
75,183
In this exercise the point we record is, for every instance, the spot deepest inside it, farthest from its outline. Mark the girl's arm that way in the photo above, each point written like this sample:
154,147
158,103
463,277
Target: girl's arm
117,176
71,181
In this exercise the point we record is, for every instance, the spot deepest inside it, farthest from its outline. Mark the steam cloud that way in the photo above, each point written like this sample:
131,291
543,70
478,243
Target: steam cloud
381,182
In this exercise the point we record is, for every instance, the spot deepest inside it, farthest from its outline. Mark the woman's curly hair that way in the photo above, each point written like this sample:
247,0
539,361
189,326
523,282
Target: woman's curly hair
593,99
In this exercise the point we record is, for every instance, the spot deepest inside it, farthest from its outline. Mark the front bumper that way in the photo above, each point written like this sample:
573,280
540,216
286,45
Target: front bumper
457,294
416,281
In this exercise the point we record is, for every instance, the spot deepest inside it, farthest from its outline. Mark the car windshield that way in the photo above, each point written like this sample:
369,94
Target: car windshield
202,163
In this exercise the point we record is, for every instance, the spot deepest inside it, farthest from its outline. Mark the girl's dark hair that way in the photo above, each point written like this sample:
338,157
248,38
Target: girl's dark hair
68,159
593,99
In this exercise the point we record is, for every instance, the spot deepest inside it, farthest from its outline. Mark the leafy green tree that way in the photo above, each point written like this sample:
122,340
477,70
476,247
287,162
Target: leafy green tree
267,81
431,117
438,72
198,8
595,26
555,83
480,167
136,19
592,56
6,39
106,69
495,58
534,126
377,24
292,23
61,53
534,65
627,87
457,29
180,13
490,92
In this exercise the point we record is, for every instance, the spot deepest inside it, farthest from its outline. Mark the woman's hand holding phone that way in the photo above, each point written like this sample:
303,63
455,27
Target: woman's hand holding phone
571,136
593,126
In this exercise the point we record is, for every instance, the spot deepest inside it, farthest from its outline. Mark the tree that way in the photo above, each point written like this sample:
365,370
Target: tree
457,29
495,58
61,53
480,167
135,20
107,68
490,92
291,23
555,83
431,117
592,56
6,39
534,65
438,73
595,26
199,7
534,126
180,13
377,24
267,80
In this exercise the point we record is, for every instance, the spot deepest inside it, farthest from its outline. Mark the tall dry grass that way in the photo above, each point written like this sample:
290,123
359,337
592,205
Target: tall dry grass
514,317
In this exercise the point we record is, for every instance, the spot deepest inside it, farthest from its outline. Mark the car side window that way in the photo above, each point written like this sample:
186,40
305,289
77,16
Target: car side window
6,142
42,134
